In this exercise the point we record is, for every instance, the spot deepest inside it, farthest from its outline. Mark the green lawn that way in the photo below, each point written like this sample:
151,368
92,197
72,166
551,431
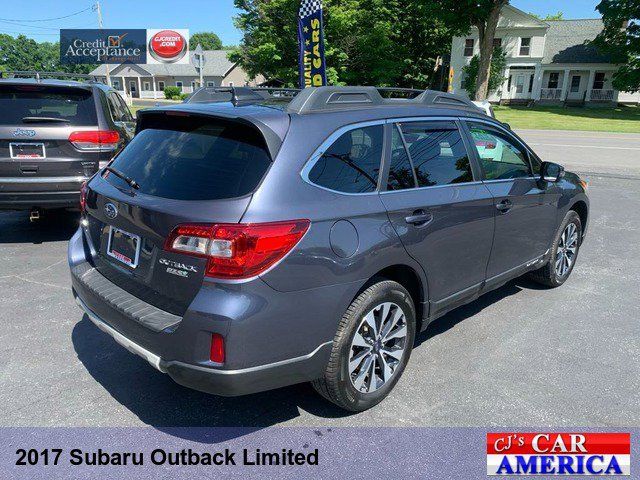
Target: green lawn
619,119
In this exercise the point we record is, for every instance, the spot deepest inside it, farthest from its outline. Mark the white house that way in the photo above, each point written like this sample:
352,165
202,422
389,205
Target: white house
149,80
547,61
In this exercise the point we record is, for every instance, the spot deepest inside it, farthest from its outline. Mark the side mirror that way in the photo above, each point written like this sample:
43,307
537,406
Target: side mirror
551,172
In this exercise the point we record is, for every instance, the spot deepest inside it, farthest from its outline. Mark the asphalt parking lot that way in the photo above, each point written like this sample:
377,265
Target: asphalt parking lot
519,356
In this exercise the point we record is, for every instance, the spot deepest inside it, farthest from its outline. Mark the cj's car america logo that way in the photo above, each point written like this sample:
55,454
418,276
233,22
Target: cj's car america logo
558,454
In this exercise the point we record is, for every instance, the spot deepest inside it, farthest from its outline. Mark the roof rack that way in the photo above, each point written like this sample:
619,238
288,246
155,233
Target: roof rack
40,75
324,99
236,95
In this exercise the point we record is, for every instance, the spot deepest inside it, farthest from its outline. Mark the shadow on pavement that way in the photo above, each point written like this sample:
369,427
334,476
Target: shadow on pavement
160,402
54,226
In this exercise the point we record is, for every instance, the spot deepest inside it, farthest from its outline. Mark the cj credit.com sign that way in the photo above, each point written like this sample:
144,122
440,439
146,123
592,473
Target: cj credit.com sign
91,46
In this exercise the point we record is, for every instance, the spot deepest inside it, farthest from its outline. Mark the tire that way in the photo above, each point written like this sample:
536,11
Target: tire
385,300
549,274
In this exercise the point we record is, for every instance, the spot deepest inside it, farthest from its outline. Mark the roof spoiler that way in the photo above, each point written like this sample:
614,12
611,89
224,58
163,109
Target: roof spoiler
322,99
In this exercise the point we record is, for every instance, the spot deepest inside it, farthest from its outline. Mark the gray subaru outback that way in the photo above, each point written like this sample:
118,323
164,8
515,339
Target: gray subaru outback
55,134
253,243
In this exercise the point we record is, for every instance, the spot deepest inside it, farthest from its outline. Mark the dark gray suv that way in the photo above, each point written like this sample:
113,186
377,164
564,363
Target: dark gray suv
54,135
246,245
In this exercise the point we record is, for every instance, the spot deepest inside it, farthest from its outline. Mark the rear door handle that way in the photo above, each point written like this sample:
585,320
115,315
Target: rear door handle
419,217
504,206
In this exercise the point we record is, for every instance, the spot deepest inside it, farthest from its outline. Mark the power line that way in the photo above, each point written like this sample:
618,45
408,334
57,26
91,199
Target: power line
47,19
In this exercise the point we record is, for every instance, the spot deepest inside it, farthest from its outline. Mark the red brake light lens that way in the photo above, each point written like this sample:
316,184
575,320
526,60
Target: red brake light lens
95,140
83,197
237,250
217,348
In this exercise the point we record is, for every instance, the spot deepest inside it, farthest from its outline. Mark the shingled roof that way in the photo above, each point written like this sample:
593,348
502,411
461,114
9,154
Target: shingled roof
216,65
566,42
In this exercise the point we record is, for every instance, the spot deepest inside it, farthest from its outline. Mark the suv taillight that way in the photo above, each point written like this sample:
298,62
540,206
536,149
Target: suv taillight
83,198
95,140
237,250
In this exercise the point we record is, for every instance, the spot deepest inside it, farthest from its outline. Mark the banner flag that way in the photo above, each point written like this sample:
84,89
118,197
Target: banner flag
311,40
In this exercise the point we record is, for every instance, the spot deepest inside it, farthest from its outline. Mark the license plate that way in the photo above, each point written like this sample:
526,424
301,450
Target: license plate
123,246
27,150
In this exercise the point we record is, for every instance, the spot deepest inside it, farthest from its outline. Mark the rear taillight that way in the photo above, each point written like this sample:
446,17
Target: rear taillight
237,250
83,197
95,140
217,348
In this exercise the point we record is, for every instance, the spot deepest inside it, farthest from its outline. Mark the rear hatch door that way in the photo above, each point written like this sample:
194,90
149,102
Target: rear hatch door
190,169
36,124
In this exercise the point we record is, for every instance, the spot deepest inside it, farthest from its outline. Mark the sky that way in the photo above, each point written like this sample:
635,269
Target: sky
24,16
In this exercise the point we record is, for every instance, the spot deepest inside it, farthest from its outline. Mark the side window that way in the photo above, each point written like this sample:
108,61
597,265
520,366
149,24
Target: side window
352,163
400,169
114,107
501,158
437,152
126,112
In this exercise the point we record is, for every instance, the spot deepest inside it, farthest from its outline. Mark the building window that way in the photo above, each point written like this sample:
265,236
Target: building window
553,80
211,84
575,83
598,81
525,46
531,83
161,86
497,43
146,86
179,85
116,84
468,47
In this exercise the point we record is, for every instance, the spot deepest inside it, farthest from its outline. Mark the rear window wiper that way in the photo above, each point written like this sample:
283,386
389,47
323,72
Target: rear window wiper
130,181
44,120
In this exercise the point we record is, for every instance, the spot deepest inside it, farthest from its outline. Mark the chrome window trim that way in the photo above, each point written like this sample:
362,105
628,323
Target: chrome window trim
449,185
315,156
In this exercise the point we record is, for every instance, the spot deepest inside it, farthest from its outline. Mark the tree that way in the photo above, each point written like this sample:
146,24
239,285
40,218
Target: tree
496,77
621,40
550,16
484,15
208,40
367,42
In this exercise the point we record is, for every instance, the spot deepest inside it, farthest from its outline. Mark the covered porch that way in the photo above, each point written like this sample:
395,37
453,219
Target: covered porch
578,85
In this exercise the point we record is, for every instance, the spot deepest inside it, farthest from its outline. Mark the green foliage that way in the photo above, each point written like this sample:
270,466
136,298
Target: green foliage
208,40
170,92
622,44
367,42
496,77
550,16
22,53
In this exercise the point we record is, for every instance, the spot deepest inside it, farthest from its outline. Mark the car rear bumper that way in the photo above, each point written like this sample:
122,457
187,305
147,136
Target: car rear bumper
225,382
270,340
21,193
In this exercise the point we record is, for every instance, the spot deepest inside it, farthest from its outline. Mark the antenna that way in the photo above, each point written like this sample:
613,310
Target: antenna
99,12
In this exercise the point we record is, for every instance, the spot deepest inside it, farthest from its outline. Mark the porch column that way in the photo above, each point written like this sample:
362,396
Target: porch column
565,84
139,87
592,76
537,82
505,85
153,78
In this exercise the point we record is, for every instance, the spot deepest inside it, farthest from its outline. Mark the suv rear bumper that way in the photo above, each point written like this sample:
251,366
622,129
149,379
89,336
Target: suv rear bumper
21,193
225,382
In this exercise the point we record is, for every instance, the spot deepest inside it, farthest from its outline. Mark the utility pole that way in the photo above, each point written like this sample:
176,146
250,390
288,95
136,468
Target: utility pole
99,11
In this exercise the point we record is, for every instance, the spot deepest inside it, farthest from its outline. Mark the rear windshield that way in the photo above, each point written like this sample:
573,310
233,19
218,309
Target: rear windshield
35,103
193,158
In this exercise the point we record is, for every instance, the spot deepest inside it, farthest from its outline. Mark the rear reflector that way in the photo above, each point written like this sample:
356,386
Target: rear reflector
95,140
217,348
83,197
237,250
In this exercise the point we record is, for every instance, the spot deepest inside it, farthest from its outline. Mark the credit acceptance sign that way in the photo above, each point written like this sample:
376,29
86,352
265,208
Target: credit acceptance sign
91,46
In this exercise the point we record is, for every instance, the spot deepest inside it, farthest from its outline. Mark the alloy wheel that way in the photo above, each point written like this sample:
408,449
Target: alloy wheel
377,347
567,249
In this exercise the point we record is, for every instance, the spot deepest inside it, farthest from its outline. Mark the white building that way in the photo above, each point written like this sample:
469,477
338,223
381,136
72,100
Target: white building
547,61
148,81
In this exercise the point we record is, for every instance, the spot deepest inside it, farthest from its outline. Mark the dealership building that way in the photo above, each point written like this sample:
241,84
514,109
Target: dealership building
149,80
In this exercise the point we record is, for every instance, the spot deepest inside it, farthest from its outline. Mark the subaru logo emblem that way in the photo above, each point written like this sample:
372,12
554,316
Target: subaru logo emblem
21,132
110,210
